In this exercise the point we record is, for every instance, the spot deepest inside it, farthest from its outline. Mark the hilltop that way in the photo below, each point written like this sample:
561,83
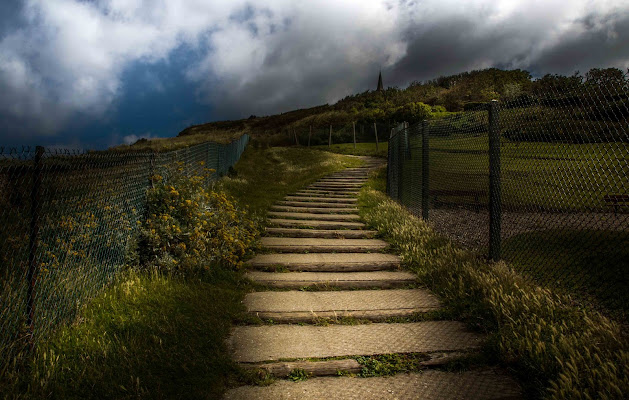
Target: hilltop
434,98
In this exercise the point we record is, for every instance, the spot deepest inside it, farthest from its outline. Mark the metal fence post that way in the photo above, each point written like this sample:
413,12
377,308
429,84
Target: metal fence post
33,268
208,179
375,130
389,168
495,197
152,170
402,137
219,172
330,138
425,171
309,135
354,130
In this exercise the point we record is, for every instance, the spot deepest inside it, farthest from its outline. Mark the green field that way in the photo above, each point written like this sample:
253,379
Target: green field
535,176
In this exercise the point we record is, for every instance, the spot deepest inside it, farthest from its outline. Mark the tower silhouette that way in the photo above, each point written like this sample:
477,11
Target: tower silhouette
380,87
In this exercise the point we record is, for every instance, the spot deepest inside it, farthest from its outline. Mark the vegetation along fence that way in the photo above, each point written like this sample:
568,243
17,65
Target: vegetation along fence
67,220
539,180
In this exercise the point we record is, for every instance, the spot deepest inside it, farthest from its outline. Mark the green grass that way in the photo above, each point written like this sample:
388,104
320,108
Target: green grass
265,175
362,149
546,176
556,347
147,336
179,142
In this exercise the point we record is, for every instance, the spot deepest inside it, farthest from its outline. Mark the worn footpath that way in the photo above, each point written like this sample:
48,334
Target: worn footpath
332,294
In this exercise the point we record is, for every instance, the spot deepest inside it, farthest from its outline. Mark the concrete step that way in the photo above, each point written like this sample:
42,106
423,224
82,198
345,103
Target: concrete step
477,384
343,180
322,199
338,184
312,224
321,233
317,217
250,344
329,188
326,193
312,193
316,245
314,210
334,188
346,280
326,262
375,305
346,192
323,203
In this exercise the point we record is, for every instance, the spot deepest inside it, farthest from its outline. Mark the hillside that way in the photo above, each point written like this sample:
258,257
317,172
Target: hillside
434,98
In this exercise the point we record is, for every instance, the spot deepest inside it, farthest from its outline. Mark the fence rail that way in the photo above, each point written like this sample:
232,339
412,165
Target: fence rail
67,218
539,181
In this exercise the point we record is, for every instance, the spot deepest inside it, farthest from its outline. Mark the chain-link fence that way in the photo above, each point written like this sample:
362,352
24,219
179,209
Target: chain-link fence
67,219
360,132
540,181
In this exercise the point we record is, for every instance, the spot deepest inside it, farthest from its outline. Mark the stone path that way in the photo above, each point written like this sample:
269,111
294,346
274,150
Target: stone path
325,265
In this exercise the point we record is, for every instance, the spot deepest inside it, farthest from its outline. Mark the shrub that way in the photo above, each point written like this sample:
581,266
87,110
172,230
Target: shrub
189,228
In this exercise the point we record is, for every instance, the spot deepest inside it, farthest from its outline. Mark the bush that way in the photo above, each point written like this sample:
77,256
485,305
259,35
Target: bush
189,228
413,112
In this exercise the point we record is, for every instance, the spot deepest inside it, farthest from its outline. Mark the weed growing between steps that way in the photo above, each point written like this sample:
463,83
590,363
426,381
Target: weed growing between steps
558,349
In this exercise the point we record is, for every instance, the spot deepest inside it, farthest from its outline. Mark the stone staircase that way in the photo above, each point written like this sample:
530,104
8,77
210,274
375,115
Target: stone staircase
326,266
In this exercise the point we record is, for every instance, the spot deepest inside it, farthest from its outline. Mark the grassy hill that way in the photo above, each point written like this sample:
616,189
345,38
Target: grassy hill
430,99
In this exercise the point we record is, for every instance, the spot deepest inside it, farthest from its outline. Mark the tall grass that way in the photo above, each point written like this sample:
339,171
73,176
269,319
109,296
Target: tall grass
558,348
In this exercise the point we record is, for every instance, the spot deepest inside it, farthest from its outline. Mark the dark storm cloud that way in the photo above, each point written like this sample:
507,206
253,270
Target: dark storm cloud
604,42
64,60
305,68
462,44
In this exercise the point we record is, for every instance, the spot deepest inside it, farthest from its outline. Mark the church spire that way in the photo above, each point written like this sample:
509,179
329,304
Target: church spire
380,87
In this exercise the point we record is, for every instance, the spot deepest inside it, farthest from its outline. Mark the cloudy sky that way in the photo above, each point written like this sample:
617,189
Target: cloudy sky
95,73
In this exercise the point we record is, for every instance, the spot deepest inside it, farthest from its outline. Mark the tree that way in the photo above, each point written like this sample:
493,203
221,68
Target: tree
413,112
606,77
550,83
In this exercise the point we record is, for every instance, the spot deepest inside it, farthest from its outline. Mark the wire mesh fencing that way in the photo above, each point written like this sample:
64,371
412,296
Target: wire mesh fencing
540,180
68,217
338,133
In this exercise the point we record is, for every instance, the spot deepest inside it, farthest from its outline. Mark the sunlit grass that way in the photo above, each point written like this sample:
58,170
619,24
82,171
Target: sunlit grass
178,142
148,336
362,149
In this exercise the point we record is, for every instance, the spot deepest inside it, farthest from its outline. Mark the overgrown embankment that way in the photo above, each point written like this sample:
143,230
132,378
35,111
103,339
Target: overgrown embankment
159,330
558,349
